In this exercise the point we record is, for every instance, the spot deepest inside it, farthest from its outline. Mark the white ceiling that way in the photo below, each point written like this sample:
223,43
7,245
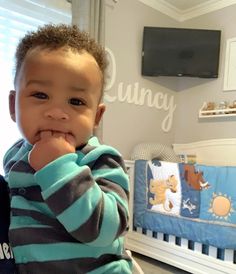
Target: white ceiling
182,10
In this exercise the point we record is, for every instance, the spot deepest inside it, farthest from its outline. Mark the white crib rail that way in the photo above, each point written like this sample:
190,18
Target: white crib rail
182,253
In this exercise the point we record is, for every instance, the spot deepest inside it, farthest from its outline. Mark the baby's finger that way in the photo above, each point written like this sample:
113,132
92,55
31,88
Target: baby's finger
45,134
70,139
59,134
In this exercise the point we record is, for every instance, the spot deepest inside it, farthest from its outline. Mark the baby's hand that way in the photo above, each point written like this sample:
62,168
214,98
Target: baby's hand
51,146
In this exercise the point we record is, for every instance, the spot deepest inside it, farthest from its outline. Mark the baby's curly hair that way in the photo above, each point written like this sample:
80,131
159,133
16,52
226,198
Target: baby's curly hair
52,37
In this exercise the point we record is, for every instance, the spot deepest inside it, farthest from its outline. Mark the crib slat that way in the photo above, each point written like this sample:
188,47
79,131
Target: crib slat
229,255
139,230
149,233
213,251
160,236
198,247
184,243
172,239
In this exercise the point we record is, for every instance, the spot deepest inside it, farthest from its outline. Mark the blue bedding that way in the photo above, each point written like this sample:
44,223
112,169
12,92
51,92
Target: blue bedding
192,201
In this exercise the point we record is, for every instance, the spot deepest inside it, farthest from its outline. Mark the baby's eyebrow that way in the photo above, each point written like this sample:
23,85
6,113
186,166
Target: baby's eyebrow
49,83
77,88
39,82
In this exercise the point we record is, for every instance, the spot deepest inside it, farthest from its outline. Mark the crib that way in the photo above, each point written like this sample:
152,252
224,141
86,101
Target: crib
182,252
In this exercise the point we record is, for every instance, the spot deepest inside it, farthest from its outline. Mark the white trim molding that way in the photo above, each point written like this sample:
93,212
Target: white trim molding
183,15
230,65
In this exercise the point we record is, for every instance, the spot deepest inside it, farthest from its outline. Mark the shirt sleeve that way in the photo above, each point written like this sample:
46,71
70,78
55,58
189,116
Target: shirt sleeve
88,195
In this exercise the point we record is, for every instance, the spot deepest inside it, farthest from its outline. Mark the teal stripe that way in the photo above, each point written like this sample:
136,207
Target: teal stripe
115,175
21,203
121,266
16,179
79,212
20,153
25,222
16,153
121,201
9,154
110,223
80,156
93,141
60,251
57,170
58,185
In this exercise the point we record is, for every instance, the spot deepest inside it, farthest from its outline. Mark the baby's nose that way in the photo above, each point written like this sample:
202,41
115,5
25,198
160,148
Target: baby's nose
57,114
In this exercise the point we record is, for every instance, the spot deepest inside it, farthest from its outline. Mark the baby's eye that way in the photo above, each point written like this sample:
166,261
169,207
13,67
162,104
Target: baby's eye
40,95
76,102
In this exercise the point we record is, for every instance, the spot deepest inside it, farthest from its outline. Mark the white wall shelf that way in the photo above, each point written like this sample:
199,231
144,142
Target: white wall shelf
227,112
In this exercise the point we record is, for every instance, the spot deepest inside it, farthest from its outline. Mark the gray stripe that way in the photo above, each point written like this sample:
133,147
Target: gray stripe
70,192
7,166
108,161
38,216
124,221
38,236
88,148
93,225
19,143
31,193
108,186
72,266
22,166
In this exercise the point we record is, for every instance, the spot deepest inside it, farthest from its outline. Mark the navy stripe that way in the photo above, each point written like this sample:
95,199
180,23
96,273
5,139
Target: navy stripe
108,186
124,221
108,161
86,149
31,193
38,216
93,225
72,266
22,166
39,235
70,192
8,165
19,143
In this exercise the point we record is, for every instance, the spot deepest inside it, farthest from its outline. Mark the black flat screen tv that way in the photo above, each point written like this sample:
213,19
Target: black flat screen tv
180,52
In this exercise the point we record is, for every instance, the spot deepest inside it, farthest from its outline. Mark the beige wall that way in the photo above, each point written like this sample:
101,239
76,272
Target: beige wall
189,127
126,123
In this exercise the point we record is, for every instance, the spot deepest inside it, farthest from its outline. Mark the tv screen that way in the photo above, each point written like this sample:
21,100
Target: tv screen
180,52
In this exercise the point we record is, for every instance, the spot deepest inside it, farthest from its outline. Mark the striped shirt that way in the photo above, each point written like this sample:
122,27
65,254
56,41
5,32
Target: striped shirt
69,217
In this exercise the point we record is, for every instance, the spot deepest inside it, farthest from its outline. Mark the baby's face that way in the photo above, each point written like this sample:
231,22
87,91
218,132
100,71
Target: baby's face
57,91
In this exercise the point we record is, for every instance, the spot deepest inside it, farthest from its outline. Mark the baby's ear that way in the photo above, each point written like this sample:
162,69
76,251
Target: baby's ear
12,100
100,110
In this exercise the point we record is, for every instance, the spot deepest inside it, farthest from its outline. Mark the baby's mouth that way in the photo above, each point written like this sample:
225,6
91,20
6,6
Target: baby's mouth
51,133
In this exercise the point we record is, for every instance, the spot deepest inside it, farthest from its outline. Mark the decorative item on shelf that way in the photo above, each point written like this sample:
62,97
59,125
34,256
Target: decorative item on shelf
209,106
188,158
233,107
223,105
222,109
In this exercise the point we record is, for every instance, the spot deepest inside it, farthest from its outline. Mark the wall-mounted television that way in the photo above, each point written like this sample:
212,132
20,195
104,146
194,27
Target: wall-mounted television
180,52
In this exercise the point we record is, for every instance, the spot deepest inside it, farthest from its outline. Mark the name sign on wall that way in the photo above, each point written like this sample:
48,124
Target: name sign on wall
134,94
